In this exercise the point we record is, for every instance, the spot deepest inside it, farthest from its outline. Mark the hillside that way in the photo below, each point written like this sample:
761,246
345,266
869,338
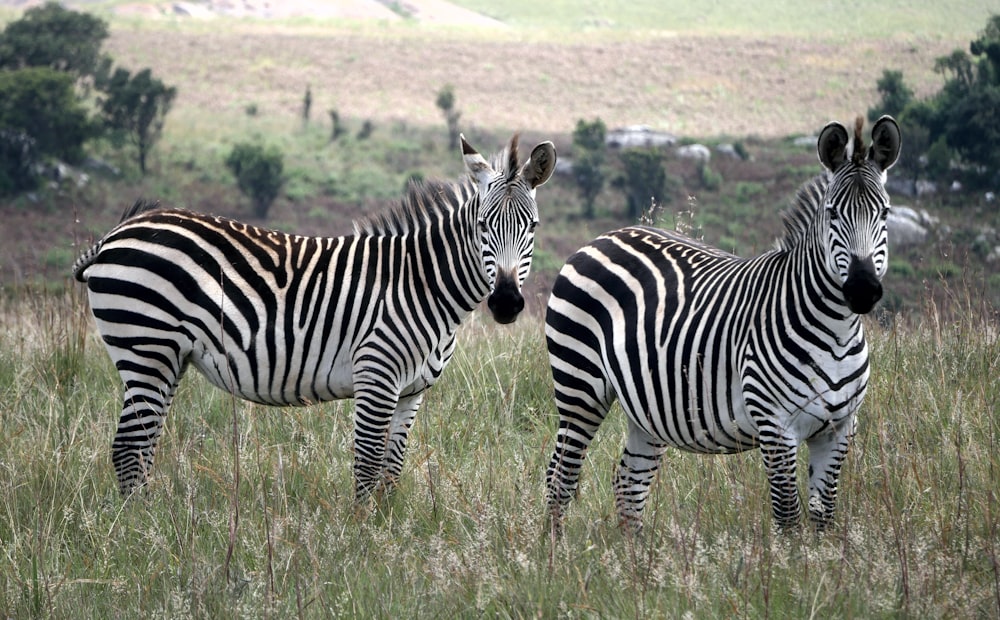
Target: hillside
371,64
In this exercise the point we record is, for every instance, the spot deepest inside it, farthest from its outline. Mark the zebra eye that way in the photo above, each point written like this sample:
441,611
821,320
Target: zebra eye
886,210
482,226
833,214
532,226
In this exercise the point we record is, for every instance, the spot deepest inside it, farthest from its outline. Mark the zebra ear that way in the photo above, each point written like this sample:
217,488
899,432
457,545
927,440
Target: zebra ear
886,143
832,145
539,167
477,166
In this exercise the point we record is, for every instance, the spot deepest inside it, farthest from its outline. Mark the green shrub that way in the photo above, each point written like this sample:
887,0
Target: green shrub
644,181
259,173
901,268
710,179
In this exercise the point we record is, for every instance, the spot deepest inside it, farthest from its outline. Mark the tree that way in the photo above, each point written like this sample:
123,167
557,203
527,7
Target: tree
40,103
896,95
446,103
588,169
259,173
134,108
645,180
307,101
54,37
962,119
18,162
336,128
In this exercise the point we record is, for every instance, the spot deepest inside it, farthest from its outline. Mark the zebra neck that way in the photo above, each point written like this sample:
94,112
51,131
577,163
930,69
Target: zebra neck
448,258
820,290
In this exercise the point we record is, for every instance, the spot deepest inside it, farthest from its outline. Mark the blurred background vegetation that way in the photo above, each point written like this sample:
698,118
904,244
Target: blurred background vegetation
82,135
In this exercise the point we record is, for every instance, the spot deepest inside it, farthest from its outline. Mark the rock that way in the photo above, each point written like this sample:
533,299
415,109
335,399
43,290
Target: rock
901,186
905,227
926,188
564,166
634,136
728,150
697,152
806,141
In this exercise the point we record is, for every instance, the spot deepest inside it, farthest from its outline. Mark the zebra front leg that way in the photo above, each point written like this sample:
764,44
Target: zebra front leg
779,462
638,466
399,431
827,451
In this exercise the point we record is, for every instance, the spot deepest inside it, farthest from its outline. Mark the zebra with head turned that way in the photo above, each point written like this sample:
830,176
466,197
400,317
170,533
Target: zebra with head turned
713,353
282,319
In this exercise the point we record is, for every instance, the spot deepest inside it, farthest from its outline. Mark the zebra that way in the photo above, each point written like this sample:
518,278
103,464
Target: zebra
712,353
289,320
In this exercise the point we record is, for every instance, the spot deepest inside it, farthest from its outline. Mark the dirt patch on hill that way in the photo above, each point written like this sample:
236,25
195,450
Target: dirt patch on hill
427,11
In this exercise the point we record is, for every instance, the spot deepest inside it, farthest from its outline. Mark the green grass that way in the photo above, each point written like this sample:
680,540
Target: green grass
773,18
921,18
267,530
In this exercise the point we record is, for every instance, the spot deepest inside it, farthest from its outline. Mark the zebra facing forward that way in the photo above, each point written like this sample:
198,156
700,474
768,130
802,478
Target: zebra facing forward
280,319
712,353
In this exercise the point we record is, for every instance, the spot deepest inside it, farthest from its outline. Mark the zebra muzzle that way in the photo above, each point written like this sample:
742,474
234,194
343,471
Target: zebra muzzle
505,302
862,289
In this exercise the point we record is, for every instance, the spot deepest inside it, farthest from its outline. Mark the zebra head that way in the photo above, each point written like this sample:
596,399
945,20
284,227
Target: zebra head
856,207
507,218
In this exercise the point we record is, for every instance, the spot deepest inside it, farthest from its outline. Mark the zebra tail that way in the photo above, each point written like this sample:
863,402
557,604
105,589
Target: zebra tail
88,257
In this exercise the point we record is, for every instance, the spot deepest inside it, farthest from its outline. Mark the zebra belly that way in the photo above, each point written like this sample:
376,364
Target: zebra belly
306,386
691,409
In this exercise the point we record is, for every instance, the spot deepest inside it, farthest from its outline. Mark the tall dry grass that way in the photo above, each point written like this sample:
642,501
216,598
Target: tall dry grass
266,530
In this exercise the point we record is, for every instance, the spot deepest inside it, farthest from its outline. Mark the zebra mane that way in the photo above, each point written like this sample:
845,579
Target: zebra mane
858,153
141,205
798,218
425,201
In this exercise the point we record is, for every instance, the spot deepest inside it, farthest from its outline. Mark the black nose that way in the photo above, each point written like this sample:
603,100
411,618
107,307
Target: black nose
506,301
862,289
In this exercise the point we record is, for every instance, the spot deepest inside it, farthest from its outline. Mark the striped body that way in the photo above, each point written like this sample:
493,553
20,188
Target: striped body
284,320
713,353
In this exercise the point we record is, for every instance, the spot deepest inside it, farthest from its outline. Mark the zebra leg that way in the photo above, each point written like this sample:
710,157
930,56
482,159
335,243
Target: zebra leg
779,462
374,403
826,455
636,471
399,431
147,400
577,425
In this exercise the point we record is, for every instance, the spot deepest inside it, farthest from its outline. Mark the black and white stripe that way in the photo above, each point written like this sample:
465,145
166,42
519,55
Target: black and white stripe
713,353
283,319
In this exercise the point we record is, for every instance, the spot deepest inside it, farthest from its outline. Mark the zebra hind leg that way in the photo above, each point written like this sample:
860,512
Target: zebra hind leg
399,431
139,428
578,423
640,461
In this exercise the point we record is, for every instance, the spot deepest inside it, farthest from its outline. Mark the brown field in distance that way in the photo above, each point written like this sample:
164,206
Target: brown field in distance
693,86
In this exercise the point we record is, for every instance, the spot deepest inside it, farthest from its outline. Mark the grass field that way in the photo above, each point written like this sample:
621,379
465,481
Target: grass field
710,74
249,511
